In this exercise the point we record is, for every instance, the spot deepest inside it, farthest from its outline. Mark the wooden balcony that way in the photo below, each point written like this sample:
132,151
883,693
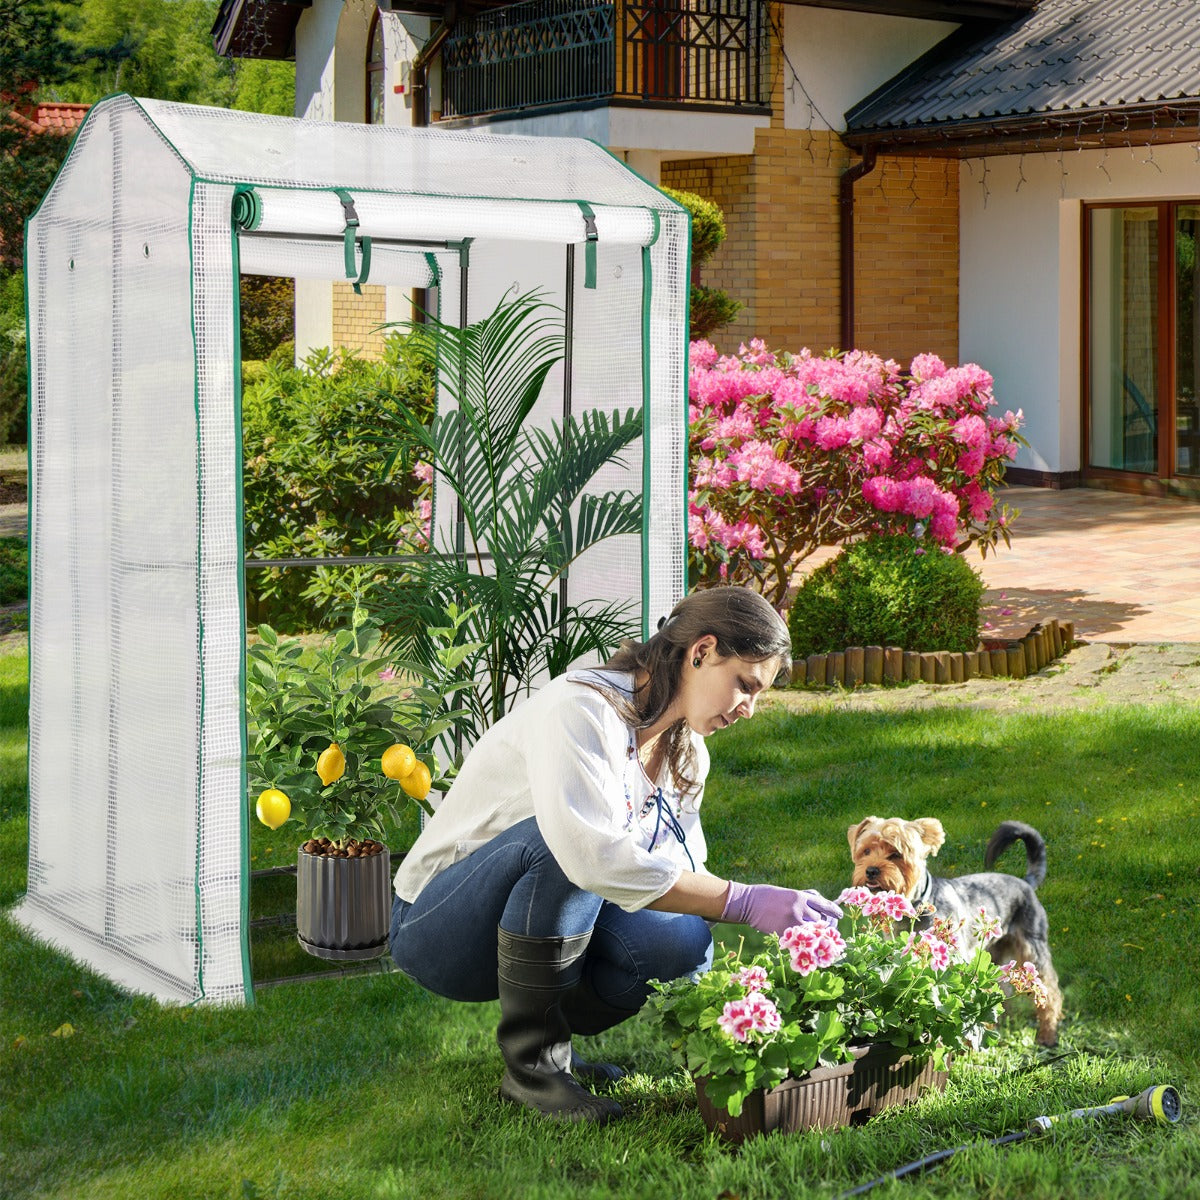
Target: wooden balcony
693,54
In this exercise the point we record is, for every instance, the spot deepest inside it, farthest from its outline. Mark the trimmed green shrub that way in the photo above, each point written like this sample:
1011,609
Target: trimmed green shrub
709,308
14,363
255,370
888,591
268,306
321,476
14,570
708,224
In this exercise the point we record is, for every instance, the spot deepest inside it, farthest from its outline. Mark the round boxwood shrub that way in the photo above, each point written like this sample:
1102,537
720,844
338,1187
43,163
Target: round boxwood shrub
888,591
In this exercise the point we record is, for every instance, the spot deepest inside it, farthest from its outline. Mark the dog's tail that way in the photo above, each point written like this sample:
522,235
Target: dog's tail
1035,849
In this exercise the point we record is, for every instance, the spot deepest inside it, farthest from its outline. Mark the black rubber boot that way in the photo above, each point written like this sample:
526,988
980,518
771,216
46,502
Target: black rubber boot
598,1072
587,1014
533,975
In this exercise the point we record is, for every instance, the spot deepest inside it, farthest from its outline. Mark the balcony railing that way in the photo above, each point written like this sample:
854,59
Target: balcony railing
654,52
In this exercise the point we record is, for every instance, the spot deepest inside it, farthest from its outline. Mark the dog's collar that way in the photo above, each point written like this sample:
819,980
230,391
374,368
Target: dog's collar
923,894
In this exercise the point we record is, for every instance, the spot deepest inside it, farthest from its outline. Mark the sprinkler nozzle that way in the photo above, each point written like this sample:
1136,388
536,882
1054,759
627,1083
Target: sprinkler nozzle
1160,1103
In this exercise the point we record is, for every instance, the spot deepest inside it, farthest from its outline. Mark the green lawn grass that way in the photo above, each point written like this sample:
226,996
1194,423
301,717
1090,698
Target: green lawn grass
369,1087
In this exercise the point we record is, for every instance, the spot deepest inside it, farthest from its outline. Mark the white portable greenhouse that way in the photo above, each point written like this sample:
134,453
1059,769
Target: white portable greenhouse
138,859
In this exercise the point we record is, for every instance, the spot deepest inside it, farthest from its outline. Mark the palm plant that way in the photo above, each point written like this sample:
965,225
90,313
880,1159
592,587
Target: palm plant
523,512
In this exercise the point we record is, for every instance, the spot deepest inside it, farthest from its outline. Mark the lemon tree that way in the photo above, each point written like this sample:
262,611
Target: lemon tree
343,749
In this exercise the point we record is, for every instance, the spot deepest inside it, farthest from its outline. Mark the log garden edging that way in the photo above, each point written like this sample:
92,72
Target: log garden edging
890,664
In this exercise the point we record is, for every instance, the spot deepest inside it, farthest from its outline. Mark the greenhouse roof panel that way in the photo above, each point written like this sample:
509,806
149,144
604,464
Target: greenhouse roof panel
239,147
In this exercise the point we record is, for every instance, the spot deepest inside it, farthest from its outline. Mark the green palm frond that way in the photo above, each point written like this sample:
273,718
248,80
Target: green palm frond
526,505
492,373
572,456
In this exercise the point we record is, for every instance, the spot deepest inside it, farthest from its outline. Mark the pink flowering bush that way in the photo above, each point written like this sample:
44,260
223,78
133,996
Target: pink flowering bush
817,991
793,452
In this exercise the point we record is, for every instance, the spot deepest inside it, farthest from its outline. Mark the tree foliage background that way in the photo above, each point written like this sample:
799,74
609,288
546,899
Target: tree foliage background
64,50
163,49
33,54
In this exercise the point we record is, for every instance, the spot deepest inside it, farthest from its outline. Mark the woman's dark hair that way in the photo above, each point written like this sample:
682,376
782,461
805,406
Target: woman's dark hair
745,626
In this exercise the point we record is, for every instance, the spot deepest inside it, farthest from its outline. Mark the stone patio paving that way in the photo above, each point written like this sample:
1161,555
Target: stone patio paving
1123,568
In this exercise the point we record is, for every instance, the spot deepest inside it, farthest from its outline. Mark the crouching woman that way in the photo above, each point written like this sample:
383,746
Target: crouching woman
565,868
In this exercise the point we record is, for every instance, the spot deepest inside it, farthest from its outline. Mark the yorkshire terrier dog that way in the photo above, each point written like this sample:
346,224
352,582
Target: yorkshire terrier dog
889,855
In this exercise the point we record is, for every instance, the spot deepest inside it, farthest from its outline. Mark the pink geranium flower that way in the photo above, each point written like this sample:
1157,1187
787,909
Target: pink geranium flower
755,1014
928,946
891,905
1024,980
754,979
812,945
984,927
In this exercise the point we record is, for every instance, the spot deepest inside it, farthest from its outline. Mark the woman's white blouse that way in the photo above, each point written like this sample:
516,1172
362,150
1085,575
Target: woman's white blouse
566,757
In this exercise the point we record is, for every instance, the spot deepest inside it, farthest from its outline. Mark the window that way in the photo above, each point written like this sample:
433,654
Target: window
375,71
1142,289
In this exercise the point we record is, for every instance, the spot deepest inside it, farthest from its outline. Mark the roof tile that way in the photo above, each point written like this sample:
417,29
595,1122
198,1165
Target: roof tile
60,117
1066,55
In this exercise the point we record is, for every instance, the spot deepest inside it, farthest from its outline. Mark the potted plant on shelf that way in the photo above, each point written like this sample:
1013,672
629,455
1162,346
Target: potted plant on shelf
335,747
829,1024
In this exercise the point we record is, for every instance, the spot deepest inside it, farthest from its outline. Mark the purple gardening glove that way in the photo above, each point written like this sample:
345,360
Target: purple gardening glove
771,909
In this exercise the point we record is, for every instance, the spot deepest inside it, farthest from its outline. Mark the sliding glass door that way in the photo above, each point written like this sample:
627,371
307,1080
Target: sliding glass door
1123,340
1187,339
1142,361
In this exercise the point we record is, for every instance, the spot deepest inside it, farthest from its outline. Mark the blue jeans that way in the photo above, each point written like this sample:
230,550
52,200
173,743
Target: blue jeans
446,938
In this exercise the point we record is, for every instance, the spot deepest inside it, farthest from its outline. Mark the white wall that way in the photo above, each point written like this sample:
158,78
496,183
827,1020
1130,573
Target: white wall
1021,274
841,57
331,46
403,37
316,36
316,33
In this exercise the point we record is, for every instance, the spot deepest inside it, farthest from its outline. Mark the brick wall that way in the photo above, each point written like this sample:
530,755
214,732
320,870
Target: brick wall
355,318
781,256
906,258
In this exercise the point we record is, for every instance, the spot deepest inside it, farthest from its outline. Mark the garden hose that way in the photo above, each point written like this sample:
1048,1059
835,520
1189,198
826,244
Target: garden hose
1160,1103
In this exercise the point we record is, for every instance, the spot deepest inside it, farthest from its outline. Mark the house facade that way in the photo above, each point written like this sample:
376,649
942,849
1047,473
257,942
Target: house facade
1000,181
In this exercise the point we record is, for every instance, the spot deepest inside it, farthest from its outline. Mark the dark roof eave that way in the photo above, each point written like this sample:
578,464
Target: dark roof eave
1163,121
276,39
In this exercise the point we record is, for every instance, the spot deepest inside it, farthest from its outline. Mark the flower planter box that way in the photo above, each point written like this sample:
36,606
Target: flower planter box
880,1077
343,905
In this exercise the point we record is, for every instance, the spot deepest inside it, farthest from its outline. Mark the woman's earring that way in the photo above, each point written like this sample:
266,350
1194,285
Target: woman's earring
696,661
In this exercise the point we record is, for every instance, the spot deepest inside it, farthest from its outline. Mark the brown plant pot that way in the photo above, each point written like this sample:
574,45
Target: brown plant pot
343,905
827,1098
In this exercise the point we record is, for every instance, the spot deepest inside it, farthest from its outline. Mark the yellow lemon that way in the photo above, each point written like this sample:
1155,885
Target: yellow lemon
331,766
417,782
273,808
398,761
